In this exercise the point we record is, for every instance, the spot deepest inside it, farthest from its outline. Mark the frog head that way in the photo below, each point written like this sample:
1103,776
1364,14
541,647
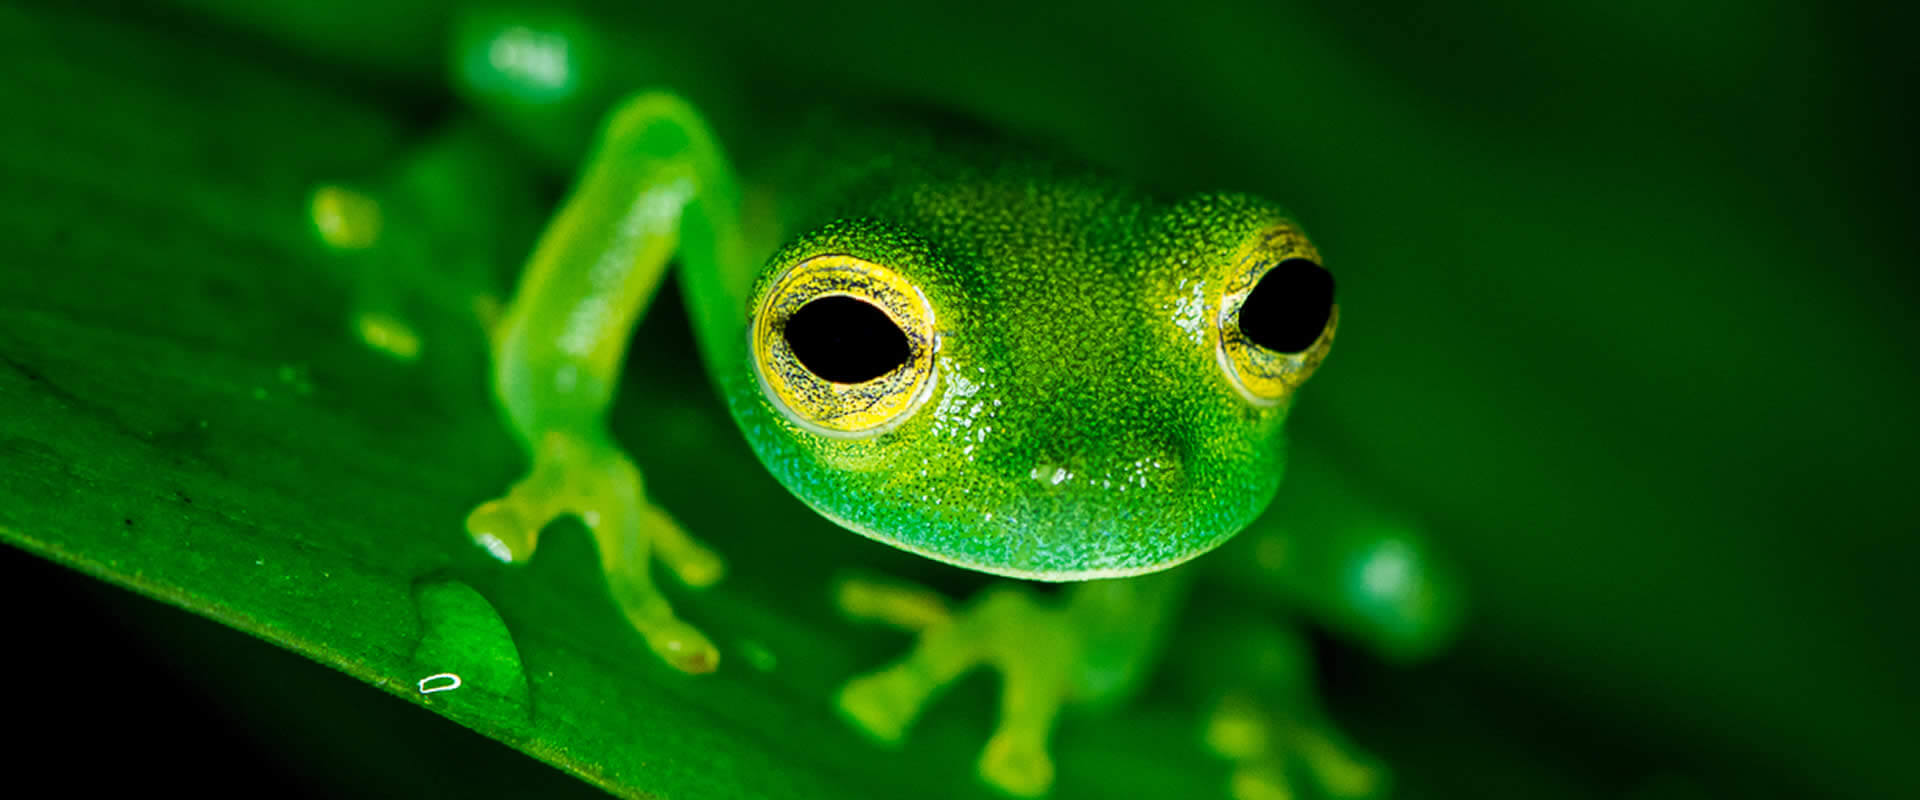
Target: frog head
1041,376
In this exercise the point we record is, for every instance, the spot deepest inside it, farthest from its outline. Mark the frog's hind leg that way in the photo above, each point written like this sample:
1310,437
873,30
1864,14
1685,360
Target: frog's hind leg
422,240
1265,720
557,352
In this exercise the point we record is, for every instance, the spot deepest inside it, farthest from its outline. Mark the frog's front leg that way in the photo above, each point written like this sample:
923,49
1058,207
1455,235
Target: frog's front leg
558,348
1090,648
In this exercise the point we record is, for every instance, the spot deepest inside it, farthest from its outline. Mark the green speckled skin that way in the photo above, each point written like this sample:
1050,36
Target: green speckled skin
1081,424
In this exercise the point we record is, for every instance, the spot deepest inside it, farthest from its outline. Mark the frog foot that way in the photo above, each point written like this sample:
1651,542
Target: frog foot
1007,628
406,238
1279,744
349,220
593,479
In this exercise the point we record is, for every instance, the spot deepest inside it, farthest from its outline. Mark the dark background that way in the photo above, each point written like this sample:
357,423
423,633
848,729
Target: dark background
1627,296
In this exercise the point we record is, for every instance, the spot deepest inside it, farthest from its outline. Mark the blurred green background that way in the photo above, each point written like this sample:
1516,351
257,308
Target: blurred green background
1627,317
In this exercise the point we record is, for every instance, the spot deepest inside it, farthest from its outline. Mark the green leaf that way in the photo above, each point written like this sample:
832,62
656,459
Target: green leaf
1619,327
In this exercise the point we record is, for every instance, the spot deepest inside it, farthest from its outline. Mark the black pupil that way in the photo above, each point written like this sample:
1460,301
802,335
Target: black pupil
846,340
1289,307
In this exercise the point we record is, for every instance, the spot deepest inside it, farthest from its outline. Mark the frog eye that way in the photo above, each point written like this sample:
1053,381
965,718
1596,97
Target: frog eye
1277,315
844,346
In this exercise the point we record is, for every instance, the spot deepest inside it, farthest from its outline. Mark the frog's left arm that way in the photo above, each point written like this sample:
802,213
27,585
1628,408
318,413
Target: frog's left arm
655,185
1091,649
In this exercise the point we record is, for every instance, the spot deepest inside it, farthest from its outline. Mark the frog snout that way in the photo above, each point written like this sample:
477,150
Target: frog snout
1099,445
1102,484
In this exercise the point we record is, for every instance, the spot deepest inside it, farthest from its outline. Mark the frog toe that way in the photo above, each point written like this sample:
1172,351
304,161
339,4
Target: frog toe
500,529
879,705
1017,762
344,217
508,527
689,559
1260,782
625,545
682,646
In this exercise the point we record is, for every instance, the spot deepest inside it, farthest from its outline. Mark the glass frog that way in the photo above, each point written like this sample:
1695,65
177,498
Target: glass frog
972,348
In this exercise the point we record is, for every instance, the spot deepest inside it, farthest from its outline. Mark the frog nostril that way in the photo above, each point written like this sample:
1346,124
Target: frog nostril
1159,469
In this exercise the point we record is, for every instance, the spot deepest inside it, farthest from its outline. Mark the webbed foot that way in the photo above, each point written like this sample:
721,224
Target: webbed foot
1007,628
591,478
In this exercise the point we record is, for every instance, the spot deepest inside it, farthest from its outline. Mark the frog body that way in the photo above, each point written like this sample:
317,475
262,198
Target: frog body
957,344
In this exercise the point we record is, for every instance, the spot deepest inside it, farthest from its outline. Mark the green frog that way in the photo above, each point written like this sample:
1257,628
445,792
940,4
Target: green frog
957,343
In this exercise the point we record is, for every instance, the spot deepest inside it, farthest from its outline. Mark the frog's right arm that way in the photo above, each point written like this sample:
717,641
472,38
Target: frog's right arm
653,186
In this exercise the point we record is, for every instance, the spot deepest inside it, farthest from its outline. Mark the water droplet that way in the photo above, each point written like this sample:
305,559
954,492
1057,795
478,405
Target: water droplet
462,635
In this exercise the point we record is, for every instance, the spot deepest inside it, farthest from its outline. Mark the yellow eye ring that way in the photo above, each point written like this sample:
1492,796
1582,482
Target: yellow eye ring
1263,376
828,407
